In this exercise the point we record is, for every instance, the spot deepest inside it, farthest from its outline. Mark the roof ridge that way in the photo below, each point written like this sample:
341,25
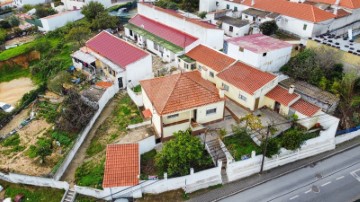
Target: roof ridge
232,64
178,76
200,84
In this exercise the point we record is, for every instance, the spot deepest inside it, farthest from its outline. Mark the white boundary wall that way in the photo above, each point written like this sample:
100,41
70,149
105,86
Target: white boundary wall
136,98
325,142
347,136
147,144
108,94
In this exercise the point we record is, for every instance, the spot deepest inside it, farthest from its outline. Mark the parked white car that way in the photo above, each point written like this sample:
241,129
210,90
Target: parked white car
6,107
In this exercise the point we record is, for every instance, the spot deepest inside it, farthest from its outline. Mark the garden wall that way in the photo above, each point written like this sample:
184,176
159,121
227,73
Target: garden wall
136,98
35,181
345,137
108,94
147,144
325,142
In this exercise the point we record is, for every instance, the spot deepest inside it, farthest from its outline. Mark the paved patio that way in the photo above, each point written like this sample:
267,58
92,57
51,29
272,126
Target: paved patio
237,111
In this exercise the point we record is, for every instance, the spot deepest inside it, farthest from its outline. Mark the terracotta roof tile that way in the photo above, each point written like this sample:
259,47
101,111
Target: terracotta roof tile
258,43
210,57
118,51
180,92
122,165
104,84
147,113
282,95
168,33
305,108
296,10
246,78
178,15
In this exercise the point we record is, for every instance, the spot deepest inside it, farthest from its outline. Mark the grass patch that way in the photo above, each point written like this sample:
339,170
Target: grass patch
48,111
137,89
32,193
8,73
90,174
148,165
16,51
241,144
13,140
173,196
94,148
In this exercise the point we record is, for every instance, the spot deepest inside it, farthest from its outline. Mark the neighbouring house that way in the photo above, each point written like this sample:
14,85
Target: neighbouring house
122,167
233,26
162,40
260,51
207,33
181,101
6,3
326,101
78,4
20,3
302,18
110,58
52,22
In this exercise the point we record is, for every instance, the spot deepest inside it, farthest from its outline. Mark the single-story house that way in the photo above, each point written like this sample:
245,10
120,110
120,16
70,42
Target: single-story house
114,59
234,26
260,51
162,40
181,101
52,22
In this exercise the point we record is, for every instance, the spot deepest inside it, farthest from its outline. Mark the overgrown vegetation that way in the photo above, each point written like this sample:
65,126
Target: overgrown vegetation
90,174
269,28
32,193
98,17
293,138
8,73
147,165
186,5
181,153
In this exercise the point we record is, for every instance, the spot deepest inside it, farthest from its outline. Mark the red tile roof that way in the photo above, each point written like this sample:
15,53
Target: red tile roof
169,34
178,15
122,165
104,84
282,95
246,78
259,43
147,113
180,92
210,57
352,4
118,51
296,10
305,108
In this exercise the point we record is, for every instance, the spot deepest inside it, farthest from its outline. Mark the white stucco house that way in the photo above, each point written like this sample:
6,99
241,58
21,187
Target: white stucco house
114,60
260,51
78,4
162,40
191,102
20,3
52,22
206,32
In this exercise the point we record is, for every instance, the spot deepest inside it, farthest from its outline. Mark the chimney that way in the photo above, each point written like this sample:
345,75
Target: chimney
252,2
291,89
337,2
221,93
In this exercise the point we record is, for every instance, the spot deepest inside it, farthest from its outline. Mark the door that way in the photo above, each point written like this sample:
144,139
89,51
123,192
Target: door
257,103
277,107
121,85
195,115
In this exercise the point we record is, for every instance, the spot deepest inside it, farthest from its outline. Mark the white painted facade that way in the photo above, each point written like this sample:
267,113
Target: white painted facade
53,22
270,61
21,3
78,4
212,37
233,31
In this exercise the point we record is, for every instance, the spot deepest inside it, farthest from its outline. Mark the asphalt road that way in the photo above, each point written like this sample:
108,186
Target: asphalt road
335,179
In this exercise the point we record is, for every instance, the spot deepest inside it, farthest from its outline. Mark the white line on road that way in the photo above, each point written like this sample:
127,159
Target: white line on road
323,185
307,191
339,178
294,197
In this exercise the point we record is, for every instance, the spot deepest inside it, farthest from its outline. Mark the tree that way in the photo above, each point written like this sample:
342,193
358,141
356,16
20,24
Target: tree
43,148
91,10
253,122
181,153
272,147
14,21
4,24
269,28
190,5
202,14
56,84
292,139
78,34
348,91
104,21
2,36
42,11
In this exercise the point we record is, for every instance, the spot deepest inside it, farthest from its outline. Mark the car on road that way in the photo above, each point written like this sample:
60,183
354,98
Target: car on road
6,107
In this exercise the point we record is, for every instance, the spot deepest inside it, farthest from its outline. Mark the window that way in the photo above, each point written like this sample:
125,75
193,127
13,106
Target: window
186,66
231,28
131,32
259,19
227,6
246,16
264,54
225,87
211,111
217,3
179,60
200,67
156,46
211,74
305,26
235,9
241,49
173,116
241,97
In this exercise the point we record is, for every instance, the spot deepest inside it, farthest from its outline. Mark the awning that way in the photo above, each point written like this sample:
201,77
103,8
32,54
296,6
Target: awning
85,57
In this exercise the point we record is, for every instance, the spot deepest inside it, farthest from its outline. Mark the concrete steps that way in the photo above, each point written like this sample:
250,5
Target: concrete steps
69,196
216,152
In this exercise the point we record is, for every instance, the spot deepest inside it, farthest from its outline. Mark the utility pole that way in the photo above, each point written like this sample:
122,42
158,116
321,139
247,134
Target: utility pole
264,151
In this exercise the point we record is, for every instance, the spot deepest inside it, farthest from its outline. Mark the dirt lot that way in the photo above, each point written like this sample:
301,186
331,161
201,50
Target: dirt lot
11,92
20,40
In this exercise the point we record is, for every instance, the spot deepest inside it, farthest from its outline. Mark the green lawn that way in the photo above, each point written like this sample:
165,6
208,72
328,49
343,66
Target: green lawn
13,52
90,174
241,144
32,193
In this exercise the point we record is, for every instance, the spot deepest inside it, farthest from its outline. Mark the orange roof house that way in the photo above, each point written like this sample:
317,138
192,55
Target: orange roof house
283,96
122,165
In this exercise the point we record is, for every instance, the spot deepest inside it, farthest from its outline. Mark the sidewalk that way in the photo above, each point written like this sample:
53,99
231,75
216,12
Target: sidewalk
249,182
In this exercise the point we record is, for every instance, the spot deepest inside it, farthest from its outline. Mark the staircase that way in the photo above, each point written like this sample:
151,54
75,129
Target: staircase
216,152
69,196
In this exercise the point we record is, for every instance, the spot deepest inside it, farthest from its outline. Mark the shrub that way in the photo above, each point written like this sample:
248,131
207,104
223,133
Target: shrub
13,140
292,139
269,28
90,175
56,84
62,137
202,15
272,147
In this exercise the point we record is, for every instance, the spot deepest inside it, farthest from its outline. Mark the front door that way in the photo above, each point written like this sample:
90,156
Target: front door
277,107
195,115
121,85
257,103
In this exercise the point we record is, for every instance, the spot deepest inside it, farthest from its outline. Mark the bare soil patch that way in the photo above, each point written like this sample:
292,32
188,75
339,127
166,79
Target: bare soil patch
11,92
20,40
